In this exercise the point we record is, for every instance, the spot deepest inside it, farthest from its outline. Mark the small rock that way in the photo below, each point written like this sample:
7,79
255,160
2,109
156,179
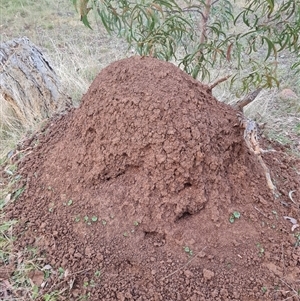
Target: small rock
201,254
207,274
288,94
215,293
71,251
128,295
100,257
274,269
194,298
224,292
188,273
37,277
88,251
77,255
120,296
76,293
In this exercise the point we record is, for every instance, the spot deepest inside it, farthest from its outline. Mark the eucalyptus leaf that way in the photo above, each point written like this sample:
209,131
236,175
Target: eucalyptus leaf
176,31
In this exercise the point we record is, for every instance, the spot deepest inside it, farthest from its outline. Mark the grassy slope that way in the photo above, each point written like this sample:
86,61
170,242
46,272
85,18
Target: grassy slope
76,53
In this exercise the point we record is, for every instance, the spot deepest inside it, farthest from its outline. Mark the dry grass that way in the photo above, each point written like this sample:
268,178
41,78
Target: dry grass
76,53
57,30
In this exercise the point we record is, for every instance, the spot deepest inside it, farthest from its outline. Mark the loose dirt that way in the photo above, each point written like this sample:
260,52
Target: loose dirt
131,194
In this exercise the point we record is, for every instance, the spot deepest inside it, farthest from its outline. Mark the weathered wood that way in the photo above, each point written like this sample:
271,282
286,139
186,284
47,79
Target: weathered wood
29,88
246,100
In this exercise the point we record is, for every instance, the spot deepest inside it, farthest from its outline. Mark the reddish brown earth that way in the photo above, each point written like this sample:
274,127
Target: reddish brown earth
162,165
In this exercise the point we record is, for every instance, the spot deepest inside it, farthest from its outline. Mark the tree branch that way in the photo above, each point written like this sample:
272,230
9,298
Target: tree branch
246,100
220,80
204,21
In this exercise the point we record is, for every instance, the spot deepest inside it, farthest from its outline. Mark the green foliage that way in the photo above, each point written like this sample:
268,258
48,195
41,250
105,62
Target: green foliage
243,39
94,218
235,215
188,250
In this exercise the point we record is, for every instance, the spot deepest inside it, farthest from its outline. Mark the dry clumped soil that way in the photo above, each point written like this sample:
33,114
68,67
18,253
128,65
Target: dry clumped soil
132,192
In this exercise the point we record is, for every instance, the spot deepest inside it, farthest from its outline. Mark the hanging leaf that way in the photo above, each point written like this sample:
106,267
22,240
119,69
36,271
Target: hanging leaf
271,47
85,21
169,31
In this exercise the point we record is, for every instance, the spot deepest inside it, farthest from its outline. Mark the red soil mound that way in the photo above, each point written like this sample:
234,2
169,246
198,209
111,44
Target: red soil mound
162,165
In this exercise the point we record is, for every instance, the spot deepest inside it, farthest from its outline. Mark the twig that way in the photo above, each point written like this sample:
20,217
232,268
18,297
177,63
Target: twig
20,152
290,196
264,151
250,137
207,8
193,8
66,279
282,254
296,293
79,272
223,79
246,100
188,262
260,212
267,173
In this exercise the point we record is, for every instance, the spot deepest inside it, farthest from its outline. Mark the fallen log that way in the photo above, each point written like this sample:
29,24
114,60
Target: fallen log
29,88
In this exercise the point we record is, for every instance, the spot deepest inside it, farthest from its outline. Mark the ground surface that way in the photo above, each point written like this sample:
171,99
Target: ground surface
131,195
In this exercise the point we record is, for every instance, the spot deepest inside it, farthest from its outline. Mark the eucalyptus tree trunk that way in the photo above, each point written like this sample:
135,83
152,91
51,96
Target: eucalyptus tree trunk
29,88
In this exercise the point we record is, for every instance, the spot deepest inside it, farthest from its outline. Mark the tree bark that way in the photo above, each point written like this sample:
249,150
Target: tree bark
246,100
29,88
